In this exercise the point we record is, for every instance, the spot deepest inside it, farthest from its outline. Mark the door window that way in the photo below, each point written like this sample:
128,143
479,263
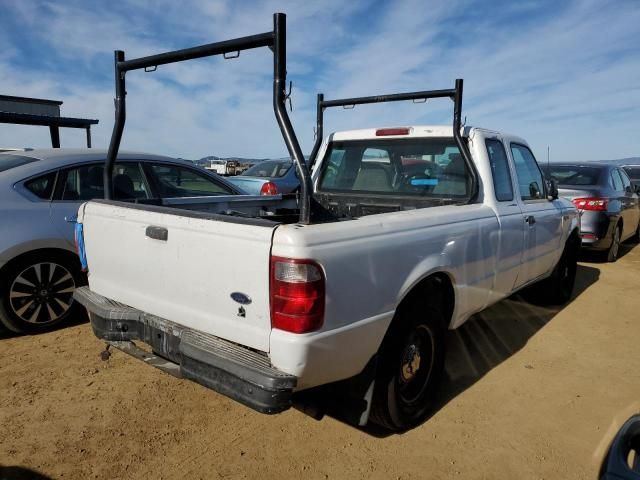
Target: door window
86,183
626,183
174,181
500,170
530,179
617,181
42,187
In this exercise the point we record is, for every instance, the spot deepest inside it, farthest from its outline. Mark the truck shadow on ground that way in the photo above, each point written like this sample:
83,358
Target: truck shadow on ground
491,337
20,473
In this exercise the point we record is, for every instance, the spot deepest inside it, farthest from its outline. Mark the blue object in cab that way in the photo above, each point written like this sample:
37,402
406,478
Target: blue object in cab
424,182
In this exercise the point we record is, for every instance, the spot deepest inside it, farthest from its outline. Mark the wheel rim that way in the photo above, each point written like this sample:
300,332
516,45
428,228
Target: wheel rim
416,365
42,293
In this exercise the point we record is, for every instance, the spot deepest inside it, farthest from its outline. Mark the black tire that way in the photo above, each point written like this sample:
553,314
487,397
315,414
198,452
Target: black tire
614,249
37,292
636,236
405,383
559,286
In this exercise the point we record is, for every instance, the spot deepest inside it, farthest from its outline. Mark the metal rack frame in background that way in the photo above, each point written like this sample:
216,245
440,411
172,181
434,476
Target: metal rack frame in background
275,40
54,122
454,94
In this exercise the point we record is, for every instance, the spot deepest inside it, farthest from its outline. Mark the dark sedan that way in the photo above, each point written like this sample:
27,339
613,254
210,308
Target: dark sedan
607,200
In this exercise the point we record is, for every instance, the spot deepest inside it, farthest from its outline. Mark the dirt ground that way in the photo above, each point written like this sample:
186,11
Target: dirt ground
532,393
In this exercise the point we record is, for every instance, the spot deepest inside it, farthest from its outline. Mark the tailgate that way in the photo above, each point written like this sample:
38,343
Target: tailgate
187,278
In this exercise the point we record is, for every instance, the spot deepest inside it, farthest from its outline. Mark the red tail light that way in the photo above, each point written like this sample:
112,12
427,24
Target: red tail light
269,188
383,132
595,204
296,295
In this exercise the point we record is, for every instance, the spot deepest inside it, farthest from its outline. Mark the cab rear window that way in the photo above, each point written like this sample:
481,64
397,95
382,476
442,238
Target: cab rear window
422,167
8,161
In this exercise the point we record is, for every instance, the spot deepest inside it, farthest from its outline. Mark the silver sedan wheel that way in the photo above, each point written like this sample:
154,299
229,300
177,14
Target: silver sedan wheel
42,293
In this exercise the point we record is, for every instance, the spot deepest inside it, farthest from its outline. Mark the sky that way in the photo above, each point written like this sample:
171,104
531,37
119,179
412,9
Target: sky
563,75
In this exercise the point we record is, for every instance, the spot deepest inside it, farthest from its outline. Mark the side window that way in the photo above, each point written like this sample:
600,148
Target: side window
128,183
42,187
625,179
500,170
617,181
174,181
530,178
86,183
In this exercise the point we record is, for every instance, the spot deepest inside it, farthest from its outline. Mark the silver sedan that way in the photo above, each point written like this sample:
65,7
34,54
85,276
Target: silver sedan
40,192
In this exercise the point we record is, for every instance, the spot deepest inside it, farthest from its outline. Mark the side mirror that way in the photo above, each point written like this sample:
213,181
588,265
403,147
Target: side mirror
552,189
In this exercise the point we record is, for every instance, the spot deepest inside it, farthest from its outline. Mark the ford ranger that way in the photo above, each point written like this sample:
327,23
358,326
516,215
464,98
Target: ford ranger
396,235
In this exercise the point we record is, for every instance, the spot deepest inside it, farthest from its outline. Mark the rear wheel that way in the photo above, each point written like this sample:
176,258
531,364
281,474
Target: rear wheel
614,249
559,286
636,236
410,365
37,293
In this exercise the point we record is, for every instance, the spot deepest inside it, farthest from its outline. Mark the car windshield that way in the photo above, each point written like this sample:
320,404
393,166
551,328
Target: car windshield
574,175
633,172
425,167
269,169
8,161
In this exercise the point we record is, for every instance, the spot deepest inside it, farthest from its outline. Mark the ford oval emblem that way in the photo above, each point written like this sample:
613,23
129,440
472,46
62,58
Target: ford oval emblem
241,298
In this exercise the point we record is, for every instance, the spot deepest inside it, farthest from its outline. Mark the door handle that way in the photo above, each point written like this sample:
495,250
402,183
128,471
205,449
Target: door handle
157,233
530,219
71,218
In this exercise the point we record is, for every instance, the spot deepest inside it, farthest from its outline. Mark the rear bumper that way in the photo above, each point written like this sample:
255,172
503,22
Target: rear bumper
596,230
242,374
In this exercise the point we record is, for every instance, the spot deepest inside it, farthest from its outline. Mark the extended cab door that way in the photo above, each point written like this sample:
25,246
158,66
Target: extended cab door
511,236
542,219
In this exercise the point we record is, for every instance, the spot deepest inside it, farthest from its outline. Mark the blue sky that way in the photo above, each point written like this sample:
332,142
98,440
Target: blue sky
560,74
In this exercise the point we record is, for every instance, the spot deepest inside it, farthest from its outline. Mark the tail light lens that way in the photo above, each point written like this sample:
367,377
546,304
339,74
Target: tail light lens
297,295
269,188
595,204
384,132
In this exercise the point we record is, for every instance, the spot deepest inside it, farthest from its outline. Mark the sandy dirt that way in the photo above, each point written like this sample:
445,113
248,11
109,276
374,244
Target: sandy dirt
532,393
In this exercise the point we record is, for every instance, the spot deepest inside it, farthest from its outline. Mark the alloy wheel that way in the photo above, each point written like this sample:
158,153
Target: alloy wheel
42,293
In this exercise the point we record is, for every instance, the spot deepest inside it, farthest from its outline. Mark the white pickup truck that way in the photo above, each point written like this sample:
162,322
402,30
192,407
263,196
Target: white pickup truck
410,231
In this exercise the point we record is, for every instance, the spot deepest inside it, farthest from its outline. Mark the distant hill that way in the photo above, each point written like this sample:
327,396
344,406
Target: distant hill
618,161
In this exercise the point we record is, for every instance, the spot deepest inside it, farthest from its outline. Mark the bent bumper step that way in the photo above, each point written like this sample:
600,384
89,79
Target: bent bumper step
233,370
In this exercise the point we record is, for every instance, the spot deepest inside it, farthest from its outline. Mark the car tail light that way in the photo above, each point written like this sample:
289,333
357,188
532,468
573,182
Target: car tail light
596,204
296,294
269,188
384,132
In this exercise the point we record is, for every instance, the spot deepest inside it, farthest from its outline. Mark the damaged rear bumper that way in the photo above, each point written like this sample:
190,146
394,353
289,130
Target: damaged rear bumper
233,370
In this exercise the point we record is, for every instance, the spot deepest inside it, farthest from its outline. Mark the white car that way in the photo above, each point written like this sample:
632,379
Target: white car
40,192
